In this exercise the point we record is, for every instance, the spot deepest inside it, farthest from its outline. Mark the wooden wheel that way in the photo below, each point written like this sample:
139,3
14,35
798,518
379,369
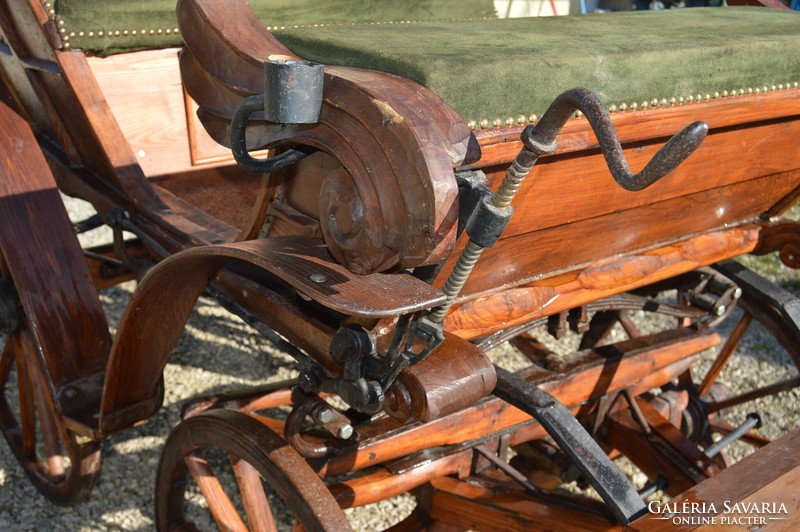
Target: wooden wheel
61,467
233,467
714,397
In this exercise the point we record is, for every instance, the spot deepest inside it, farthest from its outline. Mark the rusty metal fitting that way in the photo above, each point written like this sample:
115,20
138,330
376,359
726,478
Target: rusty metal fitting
398,403
333,421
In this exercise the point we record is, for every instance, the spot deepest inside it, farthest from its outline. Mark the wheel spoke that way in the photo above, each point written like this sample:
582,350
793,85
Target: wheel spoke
27,408
254,500
50,436
725,354
219,504
62,469
755,394
6,362
723,427
627,324
262,463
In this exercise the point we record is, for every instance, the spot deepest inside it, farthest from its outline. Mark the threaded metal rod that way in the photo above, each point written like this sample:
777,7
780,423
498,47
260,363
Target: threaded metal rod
459,275
540,139
513,179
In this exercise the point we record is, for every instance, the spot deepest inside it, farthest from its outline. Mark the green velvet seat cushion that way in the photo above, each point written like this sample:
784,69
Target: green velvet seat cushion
108,27
506,67
495,68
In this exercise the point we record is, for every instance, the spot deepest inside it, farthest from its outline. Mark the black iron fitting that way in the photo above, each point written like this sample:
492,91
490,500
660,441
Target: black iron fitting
673,153
483,221
293,95
487,222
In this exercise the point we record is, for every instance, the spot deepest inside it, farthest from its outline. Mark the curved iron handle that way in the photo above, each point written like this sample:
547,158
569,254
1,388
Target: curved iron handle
540,139
543,135
247,107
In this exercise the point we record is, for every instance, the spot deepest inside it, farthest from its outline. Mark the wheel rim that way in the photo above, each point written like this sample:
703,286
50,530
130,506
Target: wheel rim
259,458
63,469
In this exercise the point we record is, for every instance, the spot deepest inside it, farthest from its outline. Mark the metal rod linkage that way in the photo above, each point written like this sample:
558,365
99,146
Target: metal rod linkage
540,139
753,421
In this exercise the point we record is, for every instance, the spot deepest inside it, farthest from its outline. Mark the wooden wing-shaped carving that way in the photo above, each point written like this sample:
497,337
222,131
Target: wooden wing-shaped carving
391,201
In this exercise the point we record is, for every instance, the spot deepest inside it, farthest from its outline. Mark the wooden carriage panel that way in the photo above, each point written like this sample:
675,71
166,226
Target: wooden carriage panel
158,119
773,486
578,186
520,304
565,247
54,285
144,91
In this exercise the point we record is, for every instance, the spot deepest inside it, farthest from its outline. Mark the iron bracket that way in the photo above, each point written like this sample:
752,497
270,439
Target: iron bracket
609,482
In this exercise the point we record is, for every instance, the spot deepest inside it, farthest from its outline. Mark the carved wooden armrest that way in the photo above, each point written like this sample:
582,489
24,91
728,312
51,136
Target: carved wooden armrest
396,141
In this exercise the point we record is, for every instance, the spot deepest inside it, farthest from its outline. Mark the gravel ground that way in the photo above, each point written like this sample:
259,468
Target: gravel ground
217,351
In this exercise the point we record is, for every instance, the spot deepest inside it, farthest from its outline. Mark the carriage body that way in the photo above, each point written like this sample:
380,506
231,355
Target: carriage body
348,253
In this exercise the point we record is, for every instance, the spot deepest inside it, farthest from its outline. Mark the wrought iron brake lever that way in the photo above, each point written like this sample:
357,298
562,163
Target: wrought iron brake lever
492,213
667,159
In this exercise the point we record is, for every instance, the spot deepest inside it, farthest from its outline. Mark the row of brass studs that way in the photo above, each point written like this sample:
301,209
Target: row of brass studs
522,119
67,35
374,23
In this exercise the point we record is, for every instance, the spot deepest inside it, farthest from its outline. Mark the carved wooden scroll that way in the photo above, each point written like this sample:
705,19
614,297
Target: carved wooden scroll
396,142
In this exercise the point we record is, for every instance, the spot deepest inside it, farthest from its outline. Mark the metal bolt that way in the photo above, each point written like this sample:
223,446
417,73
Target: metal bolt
324,415
720,310
737,293
345,431
318,277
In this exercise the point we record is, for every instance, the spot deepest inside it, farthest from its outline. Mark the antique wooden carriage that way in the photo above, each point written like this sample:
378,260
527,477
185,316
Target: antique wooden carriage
435,185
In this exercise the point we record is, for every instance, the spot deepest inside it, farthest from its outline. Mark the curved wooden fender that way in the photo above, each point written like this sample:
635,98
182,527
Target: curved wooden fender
43,257
158,310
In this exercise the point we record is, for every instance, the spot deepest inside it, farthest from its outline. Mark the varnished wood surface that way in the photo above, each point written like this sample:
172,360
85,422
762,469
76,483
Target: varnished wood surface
168,292
502,144
454,376
44,258
541,253
586,379
145,93
768,476
476,506
504,307
394,138
576,187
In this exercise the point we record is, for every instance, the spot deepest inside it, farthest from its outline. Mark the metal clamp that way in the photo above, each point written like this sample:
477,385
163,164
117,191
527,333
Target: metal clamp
292,95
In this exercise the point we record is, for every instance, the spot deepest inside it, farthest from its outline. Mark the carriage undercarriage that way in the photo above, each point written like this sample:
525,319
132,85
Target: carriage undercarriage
489,318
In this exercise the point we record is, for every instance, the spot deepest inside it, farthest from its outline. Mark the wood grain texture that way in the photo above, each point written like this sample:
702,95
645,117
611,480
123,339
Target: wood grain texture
505,307
477,507
155,317
764,485
631,365
144,92
566,247
454,376
578,186
394,138
502,144
45,261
